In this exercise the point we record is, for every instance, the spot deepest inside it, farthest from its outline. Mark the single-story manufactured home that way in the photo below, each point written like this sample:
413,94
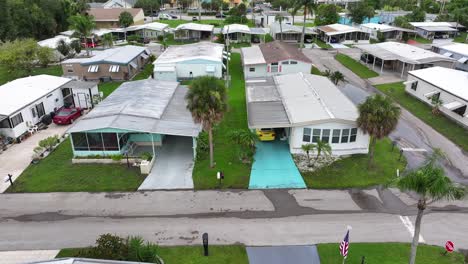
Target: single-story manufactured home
273,58
183,62
26,100
457,51
150,31
109,17
266,18
344,34
135,119
434,30
290,33
237,33
304,108
401,58
389,32
121,63
448,85
193,31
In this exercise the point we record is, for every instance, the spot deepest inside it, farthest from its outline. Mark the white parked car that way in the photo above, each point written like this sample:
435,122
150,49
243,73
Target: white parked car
164,17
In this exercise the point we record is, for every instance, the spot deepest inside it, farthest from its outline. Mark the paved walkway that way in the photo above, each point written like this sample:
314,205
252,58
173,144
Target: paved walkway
274,167
18,157
23,257
173,167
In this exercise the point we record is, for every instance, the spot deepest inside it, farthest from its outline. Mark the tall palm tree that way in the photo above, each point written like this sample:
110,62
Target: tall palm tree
280,18
322,148
309,6
431,184
83,27
125,20
307,148
108,40
207,101
337,77
378,117
294,12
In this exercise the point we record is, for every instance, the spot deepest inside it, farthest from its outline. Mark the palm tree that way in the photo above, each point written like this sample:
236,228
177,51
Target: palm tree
337,77
309,6
322,148
436,104
108,40
83,27
294,12
378,117
307,148
431,184
206,100
280,18
125,20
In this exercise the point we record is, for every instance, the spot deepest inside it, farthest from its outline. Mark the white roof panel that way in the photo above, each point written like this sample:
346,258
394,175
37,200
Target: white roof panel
52,42
252,55
236,28
430,24
202,50
449,80
195,26
335,29
458,48
119,55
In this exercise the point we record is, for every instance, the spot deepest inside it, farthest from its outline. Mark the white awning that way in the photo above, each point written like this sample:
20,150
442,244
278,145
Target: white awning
144,56
453,105
409,82
448,54
427,95
463,60
134,65
164,69
210,68
93,68
114,68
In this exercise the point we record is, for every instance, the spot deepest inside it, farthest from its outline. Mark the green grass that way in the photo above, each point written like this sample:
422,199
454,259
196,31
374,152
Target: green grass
356,67
5,77
145,73
322,44
421,40
353,172
442,124
108,87
240,45
461,38
316,71
308,24
235,254
386,253
56,173
236,173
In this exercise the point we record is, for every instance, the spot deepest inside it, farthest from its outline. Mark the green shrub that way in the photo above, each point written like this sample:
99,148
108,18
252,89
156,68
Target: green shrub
268,38
111,247
133,38
146,156
202,144
116,157
49,143
138,251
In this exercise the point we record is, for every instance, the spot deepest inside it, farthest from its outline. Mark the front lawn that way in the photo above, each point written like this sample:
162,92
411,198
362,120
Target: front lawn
421,40
461,38
322,44
145,73
356,67
235,254
5,77
307,24
353,172
56,173
236,173
108,87
442,124
386,253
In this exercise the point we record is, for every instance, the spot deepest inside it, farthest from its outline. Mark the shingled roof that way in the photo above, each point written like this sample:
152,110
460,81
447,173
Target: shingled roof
278,51
111,14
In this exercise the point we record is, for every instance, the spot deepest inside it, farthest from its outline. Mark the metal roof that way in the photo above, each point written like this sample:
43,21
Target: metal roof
202,50
430,24
75,84
259,31
449,80
149,106
236,28
119,55
438,28
195,26
459,48
52,42
335,29
287,28
384,27
252,56
151,26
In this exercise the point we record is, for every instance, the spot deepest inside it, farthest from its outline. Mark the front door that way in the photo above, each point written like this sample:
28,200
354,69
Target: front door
82,100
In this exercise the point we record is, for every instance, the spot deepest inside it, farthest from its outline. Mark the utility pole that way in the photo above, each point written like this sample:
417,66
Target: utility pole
199,10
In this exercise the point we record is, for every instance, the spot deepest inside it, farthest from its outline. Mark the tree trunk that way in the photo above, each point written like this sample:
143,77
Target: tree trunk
199,10
210,139
371,151
417,229
281,31
303,28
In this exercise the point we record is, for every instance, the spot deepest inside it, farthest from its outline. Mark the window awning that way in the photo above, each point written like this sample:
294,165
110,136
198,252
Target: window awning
134,65
448,54
463,60
144,56
427,95
114,68
453,105
210,68
93,68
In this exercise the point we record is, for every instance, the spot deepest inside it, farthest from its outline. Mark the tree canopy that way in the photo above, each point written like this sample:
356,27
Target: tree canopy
149,6
359,11
326,14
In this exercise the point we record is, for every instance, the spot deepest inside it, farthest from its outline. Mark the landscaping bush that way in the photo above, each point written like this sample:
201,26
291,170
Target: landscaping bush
139,251
268,38
147,156
116,157
110,246
49,143
202,144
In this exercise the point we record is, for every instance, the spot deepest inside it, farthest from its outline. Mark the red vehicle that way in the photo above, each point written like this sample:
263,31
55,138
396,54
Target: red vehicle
66,116
89,44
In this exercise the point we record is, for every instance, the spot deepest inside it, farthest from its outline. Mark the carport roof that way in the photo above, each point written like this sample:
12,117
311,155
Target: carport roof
75,84
146,106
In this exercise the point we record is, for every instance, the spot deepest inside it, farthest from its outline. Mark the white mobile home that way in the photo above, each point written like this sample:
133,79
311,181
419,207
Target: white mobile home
290,33
448,85
434,30
389,32
269,17
26,100
182,62
273,58
307,108
457,51
193,31
338,33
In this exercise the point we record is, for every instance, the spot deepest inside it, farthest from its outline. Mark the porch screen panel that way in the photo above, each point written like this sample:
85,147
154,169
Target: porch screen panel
95,141
110,141
79,141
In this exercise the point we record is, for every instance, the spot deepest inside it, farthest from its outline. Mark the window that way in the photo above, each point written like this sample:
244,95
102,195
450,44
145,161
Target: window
110,141
306,134
292,62
40,110
316,135
414,86
79,141
336,136
352,138
114,68
16,120
326,135
285,63
70,70
252,69
95,141
5,123
345,136
93,68
274,67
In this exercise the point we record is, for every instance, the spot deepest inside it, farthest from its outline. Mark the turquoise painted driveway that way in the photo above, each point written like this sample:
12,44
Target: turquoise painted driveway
274,167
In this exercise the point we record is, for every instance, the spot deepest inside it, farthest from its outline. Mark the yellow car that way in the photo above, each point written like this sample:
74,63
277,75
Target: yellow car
266,134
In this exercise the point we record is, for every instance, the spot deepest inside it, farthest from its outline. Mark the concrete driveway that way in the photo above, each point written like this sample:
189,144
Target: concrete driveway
173,167
18,156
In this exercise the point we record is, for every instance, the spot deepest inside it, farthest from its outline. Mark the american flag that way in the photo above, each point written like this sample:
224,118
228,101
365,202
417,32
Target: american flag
344,245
